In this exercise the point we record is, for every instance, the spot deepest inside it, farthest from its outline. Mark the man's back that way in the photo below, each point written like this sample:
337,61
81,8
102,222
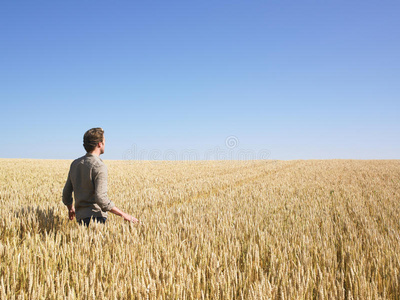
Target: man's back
87,178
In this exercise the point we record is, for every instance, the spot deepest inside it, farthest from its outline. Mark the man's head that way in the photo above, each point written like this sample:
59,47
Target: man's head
93,140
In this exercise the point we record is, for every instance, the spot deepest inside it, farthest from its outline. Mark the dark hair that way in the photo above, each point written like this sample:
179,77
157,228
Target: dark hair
92,137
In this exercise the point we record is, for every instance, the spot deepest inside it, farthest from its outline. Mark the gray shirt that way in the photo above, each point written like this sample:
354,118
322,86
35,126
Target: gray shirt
87,178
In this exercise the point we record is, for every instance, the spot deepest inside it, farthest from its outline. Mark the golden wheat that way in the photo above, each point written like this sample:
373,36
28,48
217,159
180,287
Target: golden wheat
210,230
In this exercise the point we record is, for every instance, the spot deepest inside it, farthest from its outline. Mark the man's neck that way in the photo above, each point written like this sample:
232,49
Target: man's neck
97,153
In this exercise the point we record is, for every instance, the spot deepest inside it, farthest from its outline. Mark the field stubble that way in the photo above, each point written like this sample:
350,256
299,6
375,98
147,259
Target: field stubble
314,229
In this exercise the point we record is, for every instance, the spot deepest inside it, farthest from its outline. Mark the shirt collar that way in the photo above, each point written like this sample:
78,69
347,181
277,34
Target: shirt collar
90,154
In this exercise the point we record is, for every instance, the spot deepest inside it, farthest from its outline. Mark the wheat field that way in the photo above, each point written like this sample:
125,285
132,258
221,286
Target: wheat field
301,229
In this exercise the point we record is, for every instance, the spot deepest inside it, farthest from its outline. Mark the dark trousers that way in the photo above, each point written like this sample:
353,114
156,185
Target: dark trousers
86,221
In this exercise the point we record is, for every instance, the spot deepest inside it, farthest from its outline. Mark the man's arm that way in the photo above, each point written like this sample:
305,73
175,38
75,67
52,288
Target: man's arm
101,198
67,197
67,191
116,211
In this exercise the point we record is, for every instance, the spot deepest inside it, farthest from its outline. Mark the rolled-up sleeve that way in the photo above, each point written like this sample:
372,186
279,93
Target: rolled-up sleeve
100,189
67,191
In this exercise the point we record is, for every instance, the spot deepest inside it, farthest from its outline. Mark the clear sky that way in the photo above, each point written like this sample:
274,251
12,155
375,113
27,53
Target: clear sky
278,79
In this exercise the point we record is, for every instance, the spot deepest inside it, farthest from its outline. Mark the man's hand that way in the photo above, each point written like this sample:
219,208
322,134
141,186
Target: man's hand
126,216
71,212
130,218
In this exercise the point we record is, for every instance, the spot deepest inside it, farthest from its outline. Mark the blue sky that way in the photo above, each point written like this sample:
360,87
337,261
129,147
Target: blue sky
296,79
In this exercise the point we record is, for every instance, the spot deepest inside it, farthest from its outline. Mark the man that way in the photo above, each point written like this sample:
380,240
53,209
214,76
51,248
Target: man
87,178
